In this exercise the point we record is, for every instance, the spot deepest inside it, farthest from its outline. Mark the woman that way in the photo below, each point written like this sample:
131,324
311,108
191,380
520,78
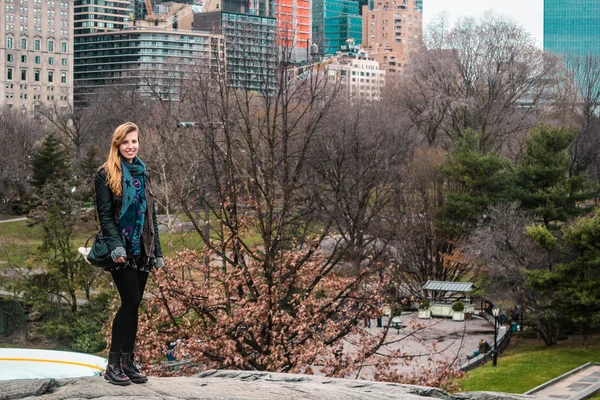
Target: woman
125,205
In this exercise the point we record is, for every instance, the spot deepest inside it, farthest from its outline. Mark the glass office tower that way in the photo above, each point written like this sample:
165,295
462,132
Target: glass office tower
334,22
572,26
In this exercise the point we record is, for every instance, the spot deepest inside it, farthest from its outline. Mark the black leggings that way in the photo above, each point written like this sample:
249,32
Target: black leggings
131,285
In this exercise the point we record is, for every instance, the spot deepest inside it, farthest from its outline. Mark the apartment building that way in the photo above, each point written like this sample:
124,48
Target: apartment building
391,31
250,46
100,15
144,58
36,54
294,26
359,76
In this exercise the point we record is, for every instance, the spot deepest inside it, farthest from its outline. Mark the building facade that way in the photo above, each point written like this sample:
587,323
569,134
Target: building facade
101,15
294,26
572,26
36,54
334,23
359,76
250,47
392,30
146,58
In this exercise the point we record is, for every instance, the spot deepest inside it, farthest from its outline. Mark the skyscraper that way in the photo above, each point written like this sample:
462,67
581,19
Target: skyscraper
334,22
572,26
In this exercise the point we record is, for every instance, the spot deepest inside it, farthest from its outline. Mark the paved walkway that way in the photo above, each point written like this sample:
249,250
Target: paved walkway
13,220
576,384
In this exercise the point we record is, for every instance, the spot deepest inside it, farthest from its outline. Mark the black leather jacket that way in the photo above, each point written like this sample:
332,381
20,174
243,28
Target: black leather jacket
108,206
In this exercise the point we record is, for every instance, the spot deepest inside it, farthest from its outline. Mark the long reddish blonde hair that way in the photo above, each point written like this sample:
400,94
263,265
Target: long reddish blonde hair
114,175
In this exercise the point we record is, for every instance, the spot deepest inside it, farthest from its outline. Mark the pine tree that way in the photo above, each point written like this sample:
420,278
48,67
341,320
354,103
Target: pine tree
476,180
51,162
576,283
542,177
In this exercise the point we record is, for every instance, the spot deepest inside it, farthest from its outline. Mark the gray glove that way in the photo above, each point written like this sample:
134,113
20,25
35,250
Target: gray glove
159,262
118,252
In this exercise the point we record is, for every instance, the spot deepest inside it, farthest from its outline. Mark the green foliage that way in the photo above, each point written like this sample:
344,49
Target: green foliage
458,306
424,304
542,236
530,364
477,180
542,177
86,332
88,166
576,282
49,163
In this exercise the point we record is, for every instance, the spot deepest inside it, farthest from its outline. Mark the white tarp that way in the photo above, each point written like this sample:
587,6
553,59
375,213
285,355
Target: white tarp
38,364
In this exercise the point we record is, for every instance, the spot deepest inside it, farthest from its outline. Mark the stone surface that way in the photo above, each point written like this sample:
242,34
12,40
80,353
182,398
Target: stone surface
232,385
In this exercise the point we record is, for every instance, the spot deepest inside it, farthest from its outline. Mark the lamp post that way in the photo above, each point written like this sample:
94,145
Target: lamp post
495,313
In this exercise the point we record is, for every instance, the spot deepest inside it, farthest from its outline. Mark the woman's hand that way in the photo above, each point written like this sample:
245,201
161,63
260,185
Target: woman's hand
118,255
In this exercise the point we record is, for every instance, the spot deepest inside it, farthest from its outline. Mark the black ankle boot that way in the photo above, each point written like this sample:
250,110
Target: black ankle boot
114,371
130,369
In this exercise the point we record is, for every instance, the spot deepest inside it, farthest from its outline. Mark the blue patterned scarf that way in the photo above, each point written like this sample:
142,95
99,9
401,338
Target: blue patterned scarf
131,220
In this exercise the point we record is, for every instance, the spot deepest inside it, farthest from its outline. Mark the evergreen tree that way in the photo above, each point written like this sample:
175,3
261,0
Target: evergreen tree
543,181
576,283
476,181
51,162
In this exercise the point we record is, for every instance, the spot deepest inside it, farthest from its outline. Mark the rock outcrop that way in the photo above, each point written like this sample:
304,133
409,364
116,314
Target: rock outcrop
232,385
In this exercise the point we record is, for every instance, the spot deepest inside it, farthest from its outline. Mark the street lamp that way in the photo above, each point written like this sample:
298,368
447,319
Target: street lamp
495,313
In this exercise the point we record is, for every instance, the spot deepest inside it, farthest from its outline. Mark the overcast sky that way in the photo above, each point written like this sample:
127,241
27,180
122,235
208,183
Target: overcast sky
529,13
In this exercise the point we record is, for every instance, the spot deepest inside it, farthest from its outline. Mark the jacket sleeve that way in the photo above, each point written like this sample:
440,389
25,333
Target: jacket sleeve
157,249
104,206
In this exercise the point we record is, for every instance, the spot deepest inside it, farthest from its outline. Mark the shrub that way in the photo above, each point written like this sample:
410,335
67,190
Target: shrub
458,306
424,304
86,332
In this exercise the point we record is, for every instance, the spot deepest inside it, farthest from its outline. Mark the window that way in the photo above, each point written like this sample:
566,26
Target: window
63,46
63,77
50,45
64,61
24,75
36,75
9,74
51,60
50,76
37,59
37,44
23,59
9,43
24,44
9,57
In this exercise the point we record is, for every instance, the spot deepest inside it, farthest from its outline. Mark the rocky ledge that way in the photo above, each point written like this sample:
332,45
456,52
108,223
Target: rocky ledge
232,385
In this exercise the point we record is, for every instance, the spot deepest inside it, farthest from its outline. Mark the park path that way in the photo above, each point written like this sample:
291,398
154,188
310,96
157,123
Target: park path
577,384
14,220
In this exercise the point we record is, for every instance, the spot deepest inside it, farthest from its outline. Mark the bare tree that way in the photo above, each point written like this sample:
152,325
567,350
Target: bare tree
584,73
18,138
423,248
504,253
485,74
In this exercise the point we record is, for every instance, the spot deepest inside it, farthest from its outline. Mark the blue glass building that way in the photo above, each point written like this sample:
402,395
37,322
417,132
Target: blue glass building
572,26
334,22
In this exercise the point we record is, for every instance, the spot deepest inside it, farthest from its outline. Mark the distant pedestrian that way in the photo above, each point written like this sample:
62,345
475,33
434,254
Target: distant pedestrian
127,214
